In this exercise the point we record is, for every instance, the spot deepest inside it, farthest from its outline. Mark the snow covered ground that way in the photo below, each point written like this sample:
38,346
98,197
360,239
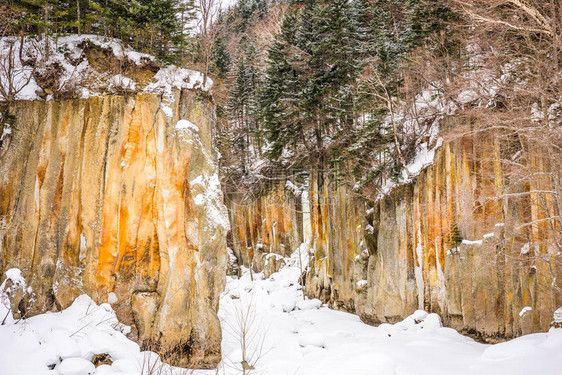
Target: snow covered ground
285,335
76,76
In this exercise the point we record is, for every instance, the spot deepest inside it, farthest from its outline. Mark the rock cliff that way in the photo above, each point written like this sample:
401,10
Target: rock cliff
465,239
118,197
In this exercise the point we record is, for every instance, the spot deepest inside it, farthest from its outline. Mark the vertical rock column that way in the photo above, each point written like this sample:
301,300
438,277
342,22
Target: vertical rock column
107,196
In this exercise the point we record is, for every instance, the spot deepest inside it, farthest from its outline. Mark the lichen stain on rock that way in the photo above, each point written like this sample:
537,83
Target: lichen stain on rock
95,198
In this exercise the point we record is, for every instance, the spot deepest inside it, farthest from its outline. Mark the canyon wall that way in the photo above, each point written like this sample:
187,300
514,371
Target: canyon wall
465,239
264,224
115,197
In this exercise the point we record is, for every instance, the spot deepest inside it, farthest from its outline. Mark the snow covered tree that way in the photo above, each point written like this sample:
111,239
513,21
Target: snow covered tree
280,97
154,26
221,59
360,26
306,33
334,66
243,100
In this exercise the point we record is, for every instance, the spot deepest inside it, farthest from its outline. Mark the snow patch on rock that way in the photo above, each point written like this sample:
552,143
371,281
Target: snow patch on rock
186,125
210,198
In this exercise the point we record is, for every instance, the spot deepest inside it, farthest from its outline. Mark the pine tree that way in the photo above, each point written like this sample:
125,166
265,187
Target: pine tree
426,18
251,58
185,45
41,15
289,29
392,39
360,27
261,8
221,59
306,34
335,65
243,101
280,97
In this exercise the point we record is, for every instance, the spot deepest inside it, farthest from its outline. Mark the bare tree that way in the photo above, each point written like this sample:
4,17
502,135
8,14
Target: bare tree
536,25
209,11
521,42
250,335
15,74
387,99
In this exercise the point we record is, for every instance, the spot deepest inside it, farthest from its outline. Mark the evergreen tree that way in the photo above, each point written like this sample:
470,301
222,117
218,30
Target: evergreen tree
306,32
41,16
243,99
302,103
261,8
220,57
360,27
335,65
251,58
187,12
280,96
185,44
154,26
428,18
392,40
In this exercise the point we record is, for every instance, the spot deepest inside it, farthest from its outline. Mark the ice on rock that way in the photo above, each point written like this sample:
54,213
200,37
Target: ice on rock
123,82
468,96
111,298
470,242
13,286
186,125
431,323
14,274
361,284
524,310
419,322
407,324
557,316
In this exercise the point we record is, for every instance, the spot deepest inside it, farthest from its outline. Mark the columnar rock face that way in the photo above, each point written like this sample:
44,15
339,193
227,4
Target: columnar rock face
110,197
458,240
265,224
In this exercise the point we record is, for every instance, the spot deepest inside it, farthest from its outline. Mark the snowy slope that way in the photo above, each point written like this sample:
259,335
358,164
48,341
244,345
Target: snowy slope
285,335
76,76
310,341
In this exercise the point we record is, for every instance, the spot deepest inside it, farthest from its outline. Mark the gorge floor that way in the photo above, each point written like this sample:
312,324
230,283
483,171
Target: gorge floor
269,328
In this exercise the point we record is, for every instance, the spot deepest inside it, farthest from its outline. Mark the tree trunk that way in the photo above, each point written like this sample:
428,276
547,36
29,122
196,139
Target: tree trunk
78,16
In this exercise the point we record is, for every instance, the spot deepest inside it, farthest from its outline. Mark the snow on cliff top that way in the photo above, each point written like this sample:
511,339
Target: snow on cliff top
65,67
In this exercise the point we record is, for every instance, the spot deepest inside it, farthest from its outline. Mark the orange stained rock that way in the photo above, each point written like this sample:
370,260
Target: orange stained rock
105,203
